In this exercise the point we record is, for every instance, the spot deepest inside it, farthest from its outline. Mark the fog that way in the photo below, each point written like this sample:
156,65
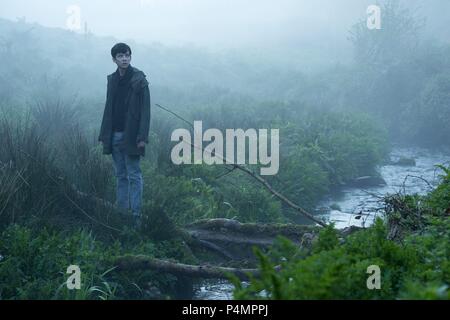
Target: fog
216,23
345,105
213,23
196,52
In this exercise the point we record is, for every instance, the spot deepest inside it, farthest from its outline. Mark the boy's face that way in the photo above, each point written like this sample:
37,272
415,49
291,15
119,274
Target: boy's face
122,60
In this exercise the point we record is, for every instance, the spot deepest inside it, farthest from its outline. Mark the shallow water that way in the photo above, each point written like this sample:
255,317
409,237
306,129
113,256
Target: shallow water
363,203
214,290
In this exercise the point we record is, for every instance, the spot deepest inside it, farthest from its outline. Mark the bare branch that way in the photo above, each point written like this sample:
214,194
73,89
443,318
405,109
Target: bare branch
280,196
141,262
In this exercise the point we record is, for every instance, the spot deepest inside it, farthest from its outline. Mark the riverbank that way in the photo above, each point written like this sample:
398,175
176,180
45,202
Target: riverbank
404,256
360,206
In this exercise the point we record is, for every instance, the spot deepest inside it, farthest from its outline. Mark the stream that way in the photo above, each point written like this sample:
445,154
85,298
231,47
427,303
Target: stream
360,205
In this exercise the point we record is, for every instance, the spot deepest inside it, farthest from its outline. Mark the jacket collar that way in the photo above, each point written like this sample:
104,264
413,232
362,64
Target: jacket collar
137,79
128,72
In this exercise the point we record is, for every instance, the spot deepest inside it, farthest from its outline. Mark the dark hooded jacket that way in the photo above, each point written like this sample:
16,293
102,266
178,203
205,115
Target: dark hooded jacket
137,114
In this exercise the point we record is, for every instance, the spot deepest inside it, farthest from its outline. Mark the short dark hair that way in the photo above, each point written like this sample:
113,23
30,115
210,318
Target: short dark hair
120,48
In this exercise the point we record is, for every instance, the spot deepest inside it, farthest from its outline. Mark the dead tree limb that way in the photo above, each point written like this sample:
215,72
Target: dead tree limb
133,263
231,231
291,204
282,197
209,245
206,235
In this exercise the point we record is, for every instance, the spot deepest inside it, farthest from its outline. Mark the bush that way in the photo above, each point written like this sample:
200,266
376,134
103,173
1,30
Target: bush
33,265
417,267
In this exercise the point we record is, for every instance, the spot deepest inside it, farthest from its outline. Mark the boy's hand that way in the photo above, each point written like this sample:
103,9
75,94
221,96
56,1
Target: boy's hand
141,144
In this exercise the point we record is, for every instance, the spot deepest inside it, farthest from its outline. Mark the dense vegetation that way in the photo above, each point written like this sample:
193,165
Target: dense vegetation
335,125
414,262
46,224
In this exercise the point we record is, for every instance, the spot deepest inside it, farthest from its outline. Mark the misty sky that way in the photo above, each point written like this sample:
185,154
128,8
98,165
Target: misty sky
210,23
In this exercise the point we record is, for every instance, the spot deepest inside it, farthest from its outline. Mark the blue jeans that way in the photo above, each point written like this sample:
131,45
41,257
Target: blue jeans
129,177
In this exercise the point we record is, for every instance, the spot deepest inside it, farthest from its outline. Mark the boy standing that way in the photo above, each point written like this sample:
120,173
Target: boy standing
125,127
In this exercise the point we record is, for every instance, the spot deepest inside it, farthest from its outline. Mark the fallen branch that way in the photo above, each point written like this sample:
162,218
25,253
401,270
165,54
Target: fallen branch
240,238
133,263
282,197
417,177
297,208
191,240
204,235
270,229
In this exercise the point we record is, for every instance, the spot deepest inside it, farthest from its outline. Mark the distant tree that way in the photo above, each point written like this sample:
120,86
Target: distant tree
390,45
